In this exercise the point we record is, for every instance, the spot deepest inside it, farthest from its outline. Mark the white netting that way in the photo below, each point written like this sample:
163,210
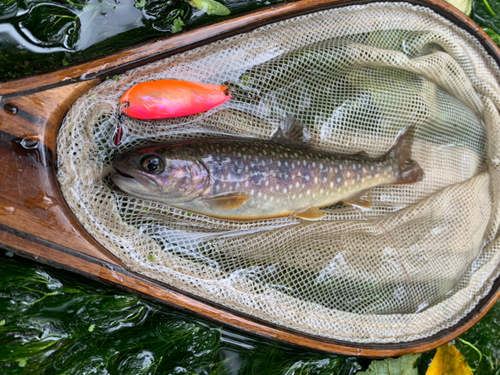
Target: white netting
414,264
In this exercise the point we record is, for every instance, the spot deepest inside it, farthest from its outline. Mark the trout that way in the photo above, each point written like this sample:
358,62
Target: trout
245,179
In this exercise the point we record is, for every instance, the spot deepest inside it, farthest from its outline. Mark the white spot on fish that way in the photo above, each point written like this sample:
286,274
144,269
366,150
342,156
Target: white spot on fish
320,166
271,198
340,166
304,163
346,183
252,192
331,184
306,178
308,192
297,184
315,180
217,187
325,180
284,190
339,180
237,185
348,174
246,183
259,194
277,187
371,168
279,164
314,164
293,165
267,183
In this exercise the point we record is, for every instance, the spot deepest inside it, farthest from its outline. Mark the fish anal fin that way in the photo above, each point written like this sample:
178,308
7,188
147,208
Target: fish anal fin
362,199
226,202
313,213
292,131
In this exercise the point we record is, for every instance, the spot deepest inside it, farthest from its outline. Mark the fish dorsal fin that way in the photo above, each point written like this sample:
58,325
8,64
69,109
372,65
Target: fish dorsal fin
226,202
363,199
292,131
313,213
363,154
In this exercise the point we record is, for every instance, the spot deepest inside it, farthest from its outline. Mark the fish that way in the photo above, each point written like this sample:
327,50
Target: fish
242,179
168,98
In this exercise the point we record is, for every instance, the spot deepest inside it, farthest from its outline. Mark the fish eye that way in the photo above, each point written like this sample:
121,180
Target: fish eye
152,164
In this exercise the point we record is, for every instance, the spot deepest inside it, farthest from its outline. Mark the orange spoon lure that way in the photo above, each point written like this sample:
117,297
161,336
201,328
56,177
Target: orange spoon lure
171,98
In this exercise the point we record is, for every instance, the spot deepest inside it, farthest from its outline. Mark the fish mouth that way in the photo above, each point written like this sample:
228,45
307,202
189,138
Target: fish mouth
132,185
123,174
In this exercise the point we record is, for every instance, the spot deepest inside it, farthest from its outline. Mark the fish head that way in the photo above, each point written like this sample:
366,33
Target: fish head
166,173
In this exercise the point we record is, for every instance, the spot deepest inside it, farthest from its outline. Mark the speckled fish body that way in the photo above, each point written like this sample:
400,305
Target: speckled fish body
171,98
239,179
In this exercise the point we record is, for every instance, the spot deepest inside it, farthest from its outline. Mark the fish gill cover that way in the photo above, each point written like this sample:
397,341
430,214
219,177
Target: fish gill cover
413,264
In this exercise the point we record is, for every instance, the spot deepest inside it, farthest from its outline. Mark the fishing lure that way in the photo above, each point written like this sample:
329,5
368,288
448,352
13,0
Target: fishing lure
171,98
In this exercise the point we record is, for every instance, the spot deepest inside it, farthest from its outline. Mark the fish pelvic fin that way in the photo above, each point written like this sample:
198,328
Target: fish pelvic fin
407,169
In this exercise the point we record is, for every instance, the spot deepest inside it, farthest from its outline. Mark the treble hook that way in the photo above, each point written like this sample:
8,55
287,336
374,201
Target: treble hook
118,134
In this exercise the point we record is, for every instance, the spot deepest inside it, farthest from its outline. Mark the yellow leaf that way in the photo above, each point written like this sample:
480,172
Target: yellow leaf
448,361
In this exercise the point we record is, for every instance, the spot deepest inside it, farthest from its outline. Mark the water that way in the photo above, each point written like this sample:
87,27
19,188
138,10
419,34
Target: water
40,36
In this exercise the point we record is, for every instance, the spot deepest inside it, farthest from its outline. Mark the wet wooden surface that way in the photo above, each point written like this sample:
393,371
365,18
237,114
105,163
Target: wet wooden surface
35,221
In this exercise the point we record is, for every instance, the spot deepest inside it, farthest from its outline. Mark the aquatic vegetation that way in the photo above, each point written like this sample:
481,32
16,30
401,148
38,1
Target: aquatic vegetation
51,320
42,36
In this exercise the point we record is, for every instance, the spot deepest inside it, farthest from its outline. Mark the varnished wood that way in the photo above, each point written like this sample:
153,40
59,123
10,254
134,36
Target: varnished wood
35,221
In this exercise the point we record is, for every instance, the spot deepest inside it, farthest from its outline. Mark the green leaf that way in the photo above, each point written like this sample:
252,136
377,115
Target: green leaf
140,4
462,5
177,25
393,366
210,7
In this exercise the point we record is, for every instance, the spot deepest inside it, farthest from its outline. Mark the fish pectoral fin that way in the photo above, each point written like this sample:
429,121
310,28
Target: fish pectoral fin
292,132
363,199
226,202
313,213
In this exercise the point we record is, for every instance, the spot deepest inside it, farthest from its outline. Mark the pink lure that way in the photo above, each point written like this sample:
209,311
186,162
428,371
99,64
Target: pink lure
171,98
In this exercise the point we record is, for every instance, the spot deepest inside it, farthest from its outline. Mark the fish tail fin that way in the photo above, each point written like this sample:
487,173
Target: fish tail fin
407,169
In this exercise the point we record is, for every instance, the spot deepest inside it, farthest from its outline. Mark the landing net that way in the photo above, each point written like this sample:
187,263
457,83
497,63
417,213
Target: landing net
414,264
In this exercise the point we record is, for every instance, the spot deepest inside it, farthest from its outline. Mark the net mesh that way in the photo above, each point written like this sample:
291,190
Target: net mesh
415,263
